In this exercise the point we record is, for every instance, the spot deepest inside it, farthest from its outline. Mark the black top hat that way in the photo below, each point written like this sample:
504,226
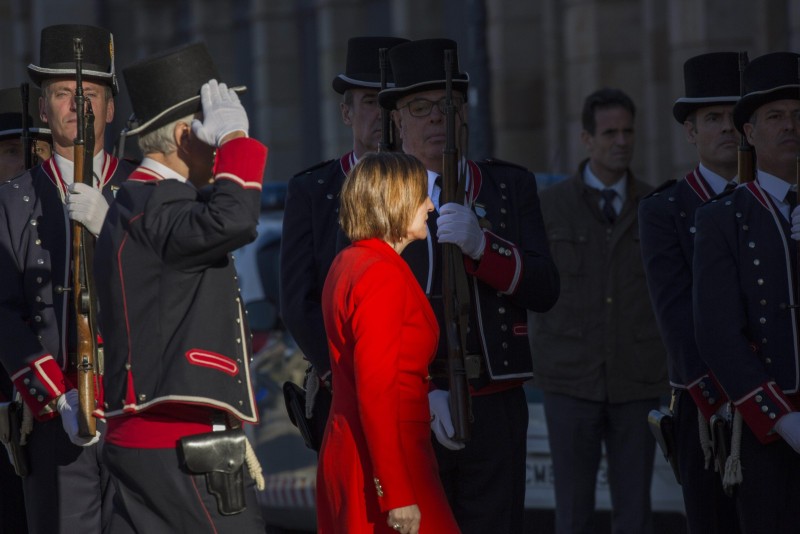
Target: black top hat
166,87
767,78
363,68
708,79
419,66
11,114
57,55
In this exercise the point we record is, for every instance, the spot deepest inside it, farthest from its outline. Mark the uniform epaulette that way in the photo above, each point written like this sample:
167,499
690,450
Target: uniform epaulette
661,188
315,167
500,162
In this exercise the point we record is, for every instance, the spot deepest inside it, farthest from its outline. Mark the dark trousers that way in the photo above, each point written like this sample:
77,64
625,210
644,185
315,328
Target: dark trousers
577,430
768,498
12,504
153,493
67,489
485,481
708,509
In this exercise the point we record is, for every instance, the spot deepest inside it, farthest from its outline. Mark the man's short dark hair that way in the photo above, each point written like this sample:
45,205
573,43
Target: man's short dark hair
602,99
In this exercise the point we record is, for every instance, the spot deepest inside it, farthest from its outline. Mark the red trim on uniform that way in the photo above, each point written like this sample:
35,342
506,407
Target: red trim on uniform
347,162
212,360
495,268
130,394
241,160
699,185
702,402
46,371
475,182
143,174
762,408
159,427
756,192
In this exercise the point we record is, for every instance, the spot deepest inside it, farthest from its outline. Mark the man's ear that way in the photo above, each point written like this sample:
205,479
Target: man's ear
42,114
586,139
397,119
110,111
748,132
345,111
690,130
180,134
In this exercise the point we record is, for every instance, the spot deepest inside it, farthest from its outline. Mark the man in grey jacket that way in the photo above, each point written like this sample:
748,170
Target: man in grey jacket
597,354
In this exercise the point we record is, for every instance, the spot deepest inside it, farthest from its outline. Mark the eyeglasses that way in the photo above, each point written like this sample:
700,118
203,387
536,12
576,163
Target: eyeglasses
422,107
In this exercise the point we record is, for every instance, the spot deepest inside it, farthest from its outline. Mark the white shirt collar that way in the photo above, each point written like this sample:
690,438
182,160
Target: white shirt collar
715,181
435,192
161,169
67,167
773,185
620,186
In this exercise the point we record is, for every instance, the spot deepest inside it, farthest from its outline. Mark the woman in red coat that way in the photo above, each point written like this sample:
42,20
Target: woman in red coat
377,470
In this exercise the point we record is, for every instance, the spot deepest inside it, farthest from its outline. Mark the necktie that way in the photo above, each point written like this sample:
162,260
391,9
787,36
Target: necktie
608,204
436,192
791,199
730,185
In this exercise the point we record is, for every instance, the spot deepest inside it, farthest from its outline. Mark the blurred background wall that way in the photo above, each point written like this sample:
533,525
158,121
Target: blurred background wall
531,62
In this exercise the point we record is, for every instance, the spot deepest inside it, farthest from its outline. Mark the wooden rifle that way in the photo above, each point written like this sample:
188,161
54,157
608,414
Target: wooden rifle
24,91
455,288
82,258
386,144
746,155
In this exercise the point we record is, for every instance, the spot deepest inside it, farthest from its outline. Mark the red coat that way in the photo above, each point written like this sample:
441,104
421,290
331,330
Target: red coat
377,453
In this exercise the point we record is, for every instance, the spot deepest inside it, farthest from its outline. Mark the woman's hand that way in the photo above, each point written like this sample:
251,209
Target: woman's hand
405,519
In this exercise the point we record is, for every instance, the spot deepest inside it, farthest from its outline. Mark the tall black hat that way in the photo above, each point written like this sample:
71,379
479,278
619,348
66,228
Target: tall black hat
11,114
708,79
419,66
57,55
166,87
362,69
767,78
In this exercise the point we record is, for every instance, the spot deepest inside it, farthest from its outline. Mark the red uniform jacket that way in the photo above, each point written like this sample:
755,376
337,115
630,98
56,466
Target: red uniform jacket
377,454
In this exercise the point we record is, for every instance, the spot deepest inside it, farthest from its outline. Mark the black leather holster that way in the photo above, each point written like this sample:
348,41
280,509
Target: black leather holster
220,457
10,424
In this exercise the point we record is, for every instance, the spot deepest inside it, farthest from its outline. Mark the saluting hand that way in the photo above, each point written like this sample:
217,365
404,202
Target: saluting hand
223,114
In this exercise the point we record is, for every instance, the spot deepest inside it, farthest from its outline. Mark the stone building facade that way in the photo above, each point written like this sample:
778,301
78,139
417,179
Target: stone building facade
531,62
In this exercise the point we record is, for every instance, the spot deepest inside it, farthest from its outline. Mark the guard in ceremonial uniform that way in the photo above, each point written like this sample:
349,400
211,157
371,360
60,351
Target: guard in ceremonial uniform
310,220
12,163
666,228
499,229
178,345
745,300
66,490
12,157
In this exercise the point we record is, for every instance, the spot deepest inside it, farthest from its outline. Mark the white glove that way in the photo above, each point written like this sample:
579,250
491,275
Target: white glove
459,225
788,427
222,114
441,422
88,206
68,408
795,220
